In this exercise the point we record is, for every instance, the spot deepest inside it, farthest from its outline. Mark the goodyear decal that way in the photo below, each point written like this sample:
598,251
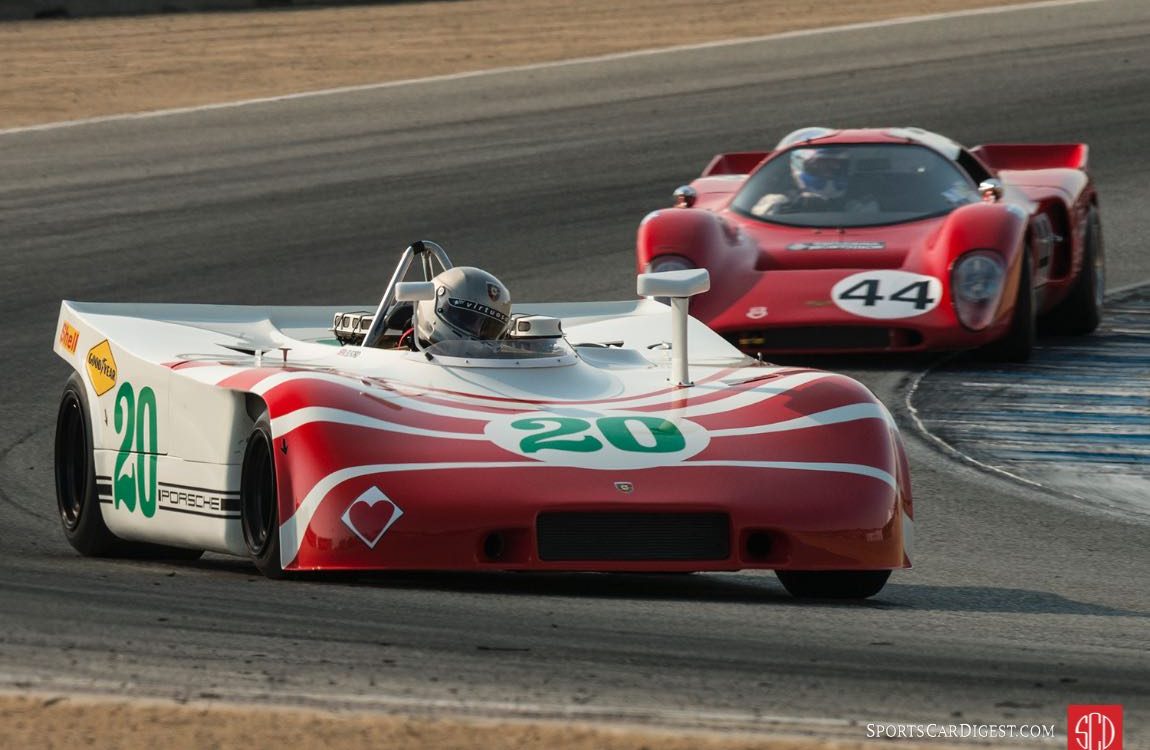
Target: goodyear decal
69,337
101,367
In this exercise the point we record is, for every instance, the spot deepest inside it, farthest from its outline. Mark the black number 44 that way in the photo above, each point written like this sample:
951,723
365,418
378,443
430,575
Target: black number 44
916,293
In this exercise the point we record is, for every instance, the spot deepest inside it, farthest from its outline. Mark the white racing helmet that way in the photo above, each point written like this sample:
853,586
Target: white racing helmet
469,304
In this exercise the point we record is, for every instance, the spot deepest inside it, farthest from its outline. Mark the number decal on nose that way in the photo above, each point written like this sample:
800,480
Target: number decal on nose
609,441
886,295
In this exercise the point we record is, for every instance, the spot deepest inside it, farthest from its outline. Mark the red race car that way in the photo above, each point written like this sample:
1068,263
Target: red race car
887,240
448,430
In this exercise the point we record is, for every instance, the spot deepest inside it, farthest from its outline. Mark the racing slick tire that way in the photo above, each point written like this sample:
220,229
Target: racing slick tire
1018,343
833,584
1081,312
259,500
76,496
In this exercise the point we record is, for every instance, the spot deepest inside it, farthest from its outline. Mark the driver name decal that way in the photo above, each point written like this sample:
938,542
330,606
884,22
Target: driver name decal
837,245
609,440
887,295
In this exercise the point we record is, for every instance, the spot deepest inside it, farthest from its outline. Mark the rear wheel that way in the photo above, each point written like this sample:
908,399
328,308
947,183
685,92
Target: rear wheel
75,466
76,495
833,584
259,500
1018,343
1081,312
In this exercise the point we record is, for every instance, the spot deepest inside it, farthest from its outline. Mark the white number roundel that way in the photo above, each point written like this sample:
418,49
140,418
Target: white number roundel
886,295
609,440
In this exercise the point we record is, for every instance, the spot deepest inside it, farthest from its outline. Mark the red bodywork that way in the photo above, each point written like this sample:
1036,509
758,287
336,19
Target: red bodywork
831,494
767,298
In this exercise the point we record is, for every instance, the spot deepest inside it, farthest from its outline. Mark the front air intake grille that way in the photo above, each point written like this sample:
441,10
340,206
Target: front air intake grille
809,338
633,536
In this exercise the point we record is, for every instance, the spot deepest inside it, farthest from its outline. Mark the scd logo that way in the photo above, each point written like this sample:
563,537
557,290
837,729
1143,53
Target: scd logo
1094,727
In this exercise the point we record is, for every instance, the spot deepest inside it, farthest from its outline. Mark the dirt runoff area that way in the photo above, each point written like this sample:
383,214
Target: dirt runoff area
69,69
47,722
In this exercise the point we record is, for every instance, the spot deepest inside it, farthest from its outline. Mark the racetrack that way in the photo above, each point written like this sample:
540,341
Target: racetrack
1016,607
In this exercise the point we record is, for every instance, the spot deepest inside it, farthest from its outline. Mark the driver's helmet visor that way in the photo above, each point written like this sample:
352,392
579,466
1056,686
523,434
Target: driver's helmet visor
819,171
472,318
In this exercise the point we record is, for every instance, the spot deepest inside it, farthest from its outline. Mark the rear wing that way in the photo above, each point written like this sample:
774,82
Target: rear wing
1033,156
736,162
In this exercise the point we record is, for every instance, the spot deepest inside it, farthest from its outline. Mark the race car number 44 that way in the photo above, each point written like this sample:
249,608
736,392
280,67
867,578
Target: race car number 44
613,440
886,295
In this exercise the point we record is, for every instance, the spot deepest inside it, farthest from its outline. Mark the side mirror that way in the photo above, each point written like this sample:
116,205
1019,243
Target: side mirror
684,196
414,291
991,190
680,286
686,283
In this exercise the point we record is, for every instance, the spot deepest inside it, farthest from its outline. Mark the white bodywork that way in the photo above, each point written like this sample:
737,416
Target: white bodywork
182,353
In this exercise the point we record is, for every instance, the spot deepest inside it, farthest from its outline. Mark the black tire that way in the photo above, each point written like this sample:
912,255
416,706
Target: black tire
1081,312
1018,343
76,495
833,584
75,468
259,500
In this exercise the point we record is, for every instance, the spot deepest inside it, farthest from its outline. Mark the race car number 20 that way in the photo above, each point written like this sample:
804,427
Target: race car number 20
134,482
885,295
607,441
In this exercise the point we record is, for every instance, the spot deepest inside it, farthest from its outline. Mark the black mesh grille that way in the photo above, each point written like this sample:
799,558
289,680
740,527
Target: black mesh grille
823,337
633,536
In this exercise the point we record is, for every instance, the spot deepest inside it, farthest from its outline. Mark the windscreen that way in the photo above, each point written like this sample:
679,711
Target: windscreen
501,349
854,186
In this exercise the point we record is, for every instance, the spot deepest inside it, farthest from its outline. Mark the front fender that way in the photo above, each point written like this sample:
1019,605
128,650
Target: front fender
708,240
998,227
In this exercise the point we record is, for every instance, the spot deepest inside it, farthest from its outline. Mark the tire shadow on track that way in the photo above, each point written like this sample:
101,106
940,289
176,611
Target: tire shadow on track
699,588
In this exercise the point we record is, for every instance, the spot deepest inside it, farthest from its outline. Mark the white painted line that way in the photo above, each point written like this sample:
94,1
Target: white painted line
901,21
949,449
1119,291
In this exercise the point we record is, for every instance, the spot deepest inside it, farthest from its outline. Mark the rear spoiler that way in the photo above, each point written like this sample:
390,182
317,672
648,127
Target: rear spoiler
1033,156
736,162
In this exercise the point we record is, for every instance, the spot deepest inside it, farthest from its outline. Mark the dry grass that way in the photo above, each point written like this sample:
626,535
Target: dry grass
56,70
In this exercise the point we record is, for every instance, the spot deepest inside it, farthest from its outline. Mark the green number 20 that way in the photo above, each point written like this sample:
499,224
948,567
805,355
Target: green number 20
632,434
138,426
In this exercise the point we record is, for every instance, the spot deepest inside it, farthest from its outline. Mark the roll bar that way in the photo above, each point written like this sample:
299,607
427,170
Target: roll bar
429,254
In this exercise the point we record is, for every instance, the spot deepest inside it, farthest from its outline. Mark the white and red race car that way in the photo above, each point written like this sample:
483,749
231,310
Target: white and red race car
615,436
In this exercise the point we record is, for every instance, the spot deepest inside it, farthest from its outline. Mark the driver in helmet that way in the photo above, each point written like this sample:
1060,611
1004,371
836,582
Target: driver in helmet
469,303
819,178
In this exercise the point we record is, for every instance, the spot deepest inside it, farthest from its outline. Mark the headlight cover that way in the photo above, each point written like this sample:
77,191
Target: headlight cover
662,263
976,287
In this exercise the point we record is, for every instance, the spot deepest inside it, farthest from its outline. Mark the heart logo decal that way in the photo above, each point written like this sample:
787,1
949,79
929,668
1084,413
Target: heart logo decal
370,516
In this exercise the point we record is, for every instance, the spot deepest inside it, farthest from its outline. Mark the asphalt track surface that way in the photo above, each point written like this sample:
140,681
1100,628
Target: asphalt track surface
1016,606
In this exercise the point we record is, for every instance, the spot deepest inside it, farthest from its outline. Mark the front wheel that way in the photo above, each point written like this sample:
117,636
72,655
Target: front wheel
259,500
1081,312
833,584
